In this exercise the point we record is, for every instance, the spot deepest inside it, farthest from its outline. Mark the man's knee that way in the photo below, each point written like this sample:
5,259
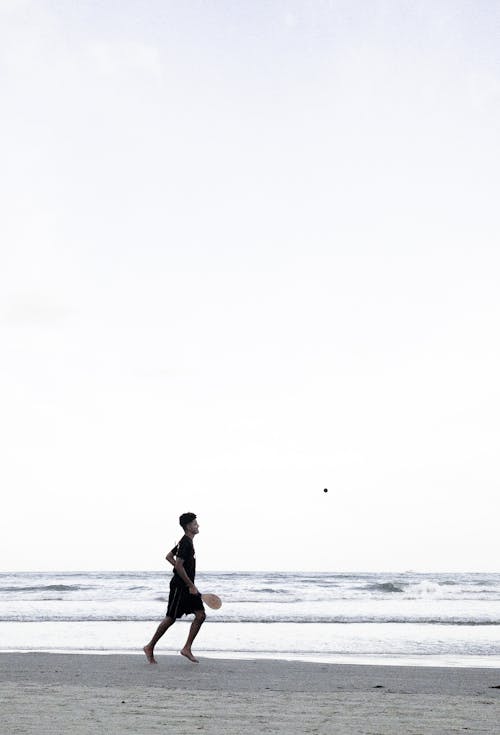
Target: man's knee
200,616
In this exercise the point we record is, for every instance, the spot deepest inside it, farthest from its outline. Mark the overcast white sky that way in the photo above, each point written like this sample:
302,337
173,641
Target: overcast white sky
250,250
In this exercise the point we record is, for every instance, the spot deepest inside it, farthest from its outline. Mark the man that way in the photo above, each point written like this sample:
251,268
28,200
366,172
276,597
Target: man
184,597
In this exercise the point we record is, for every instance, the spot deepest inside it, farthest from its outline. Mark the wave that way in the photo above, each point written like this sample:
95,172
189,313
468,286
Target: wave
48,588
262,589
412,590
264,600
272,590
383,587
485,583
246,619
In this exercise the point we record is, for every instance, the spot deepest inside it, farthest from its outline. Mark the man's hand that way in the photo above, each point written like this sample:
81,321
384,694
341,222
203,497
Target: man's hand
193,590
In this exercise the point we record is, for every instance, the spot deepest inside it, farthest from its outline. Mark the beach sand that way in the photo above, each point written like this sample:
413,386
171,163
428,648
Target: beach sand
116,694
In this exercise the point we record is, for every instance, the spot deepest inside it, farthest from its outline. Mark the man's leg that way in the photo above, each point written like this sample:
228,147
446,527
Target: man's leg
162,628
199,617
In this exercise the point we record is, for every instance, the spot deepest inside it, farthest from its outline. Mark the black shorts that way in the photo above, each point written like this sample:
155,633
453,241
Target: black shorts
182,602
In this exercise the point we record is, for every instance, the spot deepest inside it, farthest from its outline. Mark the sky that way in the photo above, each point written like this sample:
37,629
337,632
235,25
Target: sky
250,251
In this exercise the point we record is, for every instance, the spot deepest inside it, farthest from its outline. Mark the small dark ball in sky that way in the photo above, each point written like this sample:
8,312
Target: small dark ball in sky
325,490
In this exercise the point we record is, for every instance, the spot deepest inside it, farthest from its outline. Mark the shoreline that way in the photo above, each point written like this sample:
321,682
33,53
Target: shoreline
86,694
380,660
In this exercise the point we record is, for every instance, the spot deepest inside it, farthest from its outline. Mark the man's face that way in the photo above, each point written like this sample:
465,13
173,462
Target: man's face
193,527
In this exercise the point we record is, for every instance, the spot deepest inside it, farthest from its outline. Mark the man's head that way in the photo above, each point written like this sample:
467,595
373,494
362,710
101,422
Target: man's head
189,523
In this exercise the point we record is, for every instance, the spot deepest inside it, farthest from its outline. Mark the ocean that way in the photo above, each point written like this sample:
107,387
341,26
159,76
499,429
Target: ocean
410,618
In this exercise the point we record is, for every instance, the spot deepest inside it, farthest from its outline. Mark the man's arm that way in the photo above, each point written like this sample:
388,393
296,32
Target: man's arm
179,568
170,558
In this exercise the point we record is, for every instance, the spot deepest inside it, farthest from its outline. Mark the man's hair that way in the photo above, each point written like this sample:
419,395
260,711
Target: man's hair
186,518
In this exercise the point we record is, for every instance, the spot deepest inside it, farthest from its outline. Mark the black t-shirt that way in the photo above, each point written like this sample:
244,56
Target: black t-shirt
185,551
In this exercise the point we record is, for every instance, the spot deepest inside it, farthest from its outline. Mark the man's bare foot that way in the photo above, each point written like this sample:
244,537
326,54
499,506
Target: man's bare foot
187,653
149,655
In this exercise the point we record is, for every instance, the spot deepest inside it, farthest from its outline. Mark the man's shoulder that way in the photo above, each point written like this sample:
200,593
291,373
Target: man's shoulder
185,543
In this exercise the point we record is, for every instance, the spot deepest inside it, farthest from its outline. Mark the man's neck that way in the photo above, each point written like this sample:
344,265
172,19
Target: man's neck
189,535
